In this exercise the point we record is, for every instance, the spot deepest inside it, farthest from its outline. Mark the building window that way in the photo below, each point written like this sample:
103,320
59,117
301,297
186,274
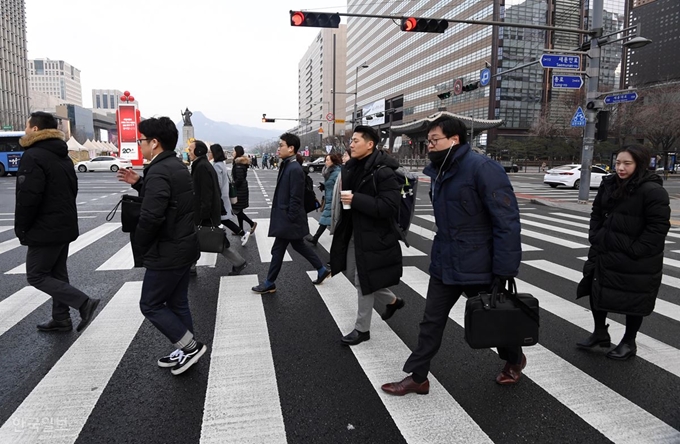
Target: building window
113,103
106,101
99,105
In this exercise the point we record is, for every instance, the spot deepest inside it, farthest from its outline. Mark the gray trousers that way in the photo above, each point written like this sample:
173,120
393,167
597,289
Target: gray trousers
365,311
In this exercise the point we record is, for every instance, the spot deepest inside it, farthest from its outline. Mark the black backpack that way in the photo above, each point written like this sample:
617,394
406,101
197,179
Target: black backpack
311,202
407,207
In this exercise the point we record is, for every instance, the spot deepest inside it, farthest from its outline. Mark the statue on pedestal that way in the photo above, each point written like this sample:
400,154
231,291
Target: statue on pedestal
186,115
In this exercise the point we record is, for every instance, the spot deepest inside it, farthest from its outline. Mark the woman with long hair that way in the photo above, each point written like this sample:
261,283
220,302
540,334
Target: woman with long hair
628,227
216,154
330,175
239,174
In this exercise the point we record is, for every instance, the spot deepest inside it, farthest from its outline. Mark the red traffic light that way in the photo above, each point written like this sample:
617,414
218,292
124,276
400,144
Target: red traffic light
408,24
314,19
297,18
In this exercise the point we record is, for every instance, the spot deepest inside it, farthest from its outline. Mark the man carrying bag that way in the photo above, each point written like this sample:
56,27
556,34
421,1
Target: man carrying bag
477,245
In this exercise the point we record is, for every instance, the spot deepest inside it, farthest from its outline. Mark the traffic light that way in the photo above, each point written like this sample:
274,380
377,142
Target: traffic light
314,19
471,86
265,120
602,126
413,24
444,95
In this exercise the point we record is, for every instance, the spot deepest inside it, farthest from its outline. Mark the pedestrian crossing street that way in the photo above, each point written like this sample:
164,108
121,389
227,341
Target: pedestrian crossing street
242,402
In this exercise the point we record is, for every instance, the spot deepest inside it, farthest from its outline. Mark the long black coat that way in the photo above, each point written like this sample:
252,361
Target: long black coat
372,221
625,261
207,194
239,173
166,235
47,186
288,218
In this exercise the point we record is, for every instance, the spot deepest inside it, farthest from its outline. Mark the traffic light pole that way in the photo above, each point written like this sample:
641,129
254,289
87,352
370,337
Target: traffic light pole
593,72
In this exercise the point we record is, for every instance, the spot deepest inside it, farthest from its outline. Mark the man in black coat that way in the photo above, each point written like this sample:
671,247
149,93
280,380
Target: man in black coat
365,241
46,219
166,238
208,201
288,219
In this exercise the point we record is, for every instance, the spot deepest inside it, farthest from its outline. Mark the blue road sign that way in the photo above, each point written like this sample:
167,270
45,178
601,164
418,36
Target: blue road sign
579,118
484,76
621,98
560,61
567,82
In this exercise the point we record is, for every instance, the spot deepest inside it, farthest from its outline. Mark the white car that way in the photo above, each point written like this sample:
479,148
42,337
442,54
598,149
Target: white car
316,165
570,176
103,163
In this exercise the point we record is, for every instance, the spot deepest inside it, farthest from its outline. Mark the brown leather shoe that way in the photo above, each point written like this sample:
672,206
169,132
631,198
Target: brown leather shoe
406,386
511,373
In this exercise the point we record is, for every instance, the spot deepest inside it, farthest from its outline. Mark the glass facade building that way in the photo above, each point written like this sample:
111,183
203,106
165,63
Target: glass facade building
14,89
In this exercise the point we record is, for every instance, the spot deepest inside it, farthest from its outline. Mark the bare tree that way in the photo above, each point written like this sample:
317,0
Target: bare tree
657,116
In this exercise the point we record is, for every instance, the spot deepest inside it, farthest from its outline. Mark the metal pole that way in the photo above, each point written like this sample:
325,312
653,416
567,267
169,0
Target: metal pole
356,90
472,132
334,114
593,72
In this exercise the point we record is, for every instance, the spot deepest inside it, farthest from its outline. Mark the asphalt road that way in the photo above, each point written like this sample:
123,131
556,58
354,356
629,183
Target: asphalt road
276,371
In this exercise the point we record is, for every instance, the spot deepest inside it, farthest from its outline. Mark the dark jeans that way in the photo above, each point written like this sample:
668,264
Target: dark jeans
279,250
241,216
440,300
165,302
46,270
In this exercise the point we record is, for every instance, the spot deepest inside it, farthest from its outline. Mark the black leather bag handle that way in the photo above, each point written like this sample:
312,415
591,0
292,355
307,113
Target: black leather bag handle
511,292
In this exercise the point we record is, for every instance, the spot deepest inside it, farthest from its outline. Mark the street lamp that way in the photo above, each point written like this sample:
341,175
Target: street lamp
592,93
356,90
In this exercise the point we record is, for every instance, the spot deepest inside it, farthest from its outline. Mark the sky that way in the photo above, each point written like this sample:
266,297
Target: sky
233,60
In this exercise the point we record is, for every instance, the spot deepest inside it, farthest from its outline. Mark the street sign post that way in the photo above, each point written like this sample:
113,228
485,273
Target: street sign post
579,118
484,76
621,98
330,117
340,121
7,127
560,61
567,82
457,86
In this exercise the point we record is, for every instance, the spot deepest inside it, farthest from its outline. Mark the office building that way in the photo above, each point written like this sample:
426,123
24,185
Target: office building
14,86
659,62
107,99
56,78
316,90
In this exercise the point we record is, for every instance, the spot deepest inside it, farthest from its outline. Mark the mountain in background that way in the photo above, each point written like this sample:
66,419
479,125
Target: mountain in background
225,133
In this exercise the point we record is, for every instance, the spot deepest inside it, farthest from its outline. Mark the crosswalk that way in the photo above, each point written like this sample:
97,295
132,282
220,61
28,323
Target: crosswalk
243,384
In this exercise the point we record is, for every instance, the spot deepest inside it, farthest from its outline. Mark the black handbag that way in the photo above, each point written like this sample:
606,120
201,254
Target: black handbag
129,214
210,239
503,318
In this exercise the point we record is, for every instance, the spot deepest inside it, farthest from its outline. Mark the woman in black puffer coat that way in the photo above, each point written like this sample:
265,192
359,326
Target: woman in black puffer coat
239,174
628,227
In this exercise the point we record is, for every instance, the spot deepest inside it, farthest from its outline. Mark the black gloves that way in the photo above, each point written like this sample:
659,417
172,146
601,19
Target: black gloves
322,187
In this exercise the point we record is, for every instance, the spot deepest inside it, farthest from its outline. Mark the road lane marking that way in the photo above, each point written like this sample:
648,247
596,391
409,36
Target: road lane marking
265,243
71,389
553,240
19,305
434,418
242,399
83,241
588,398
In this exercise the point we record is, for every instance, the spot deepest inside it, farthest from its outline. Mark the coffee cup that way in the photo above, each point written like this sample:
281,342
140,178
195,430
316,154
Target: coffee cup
346,206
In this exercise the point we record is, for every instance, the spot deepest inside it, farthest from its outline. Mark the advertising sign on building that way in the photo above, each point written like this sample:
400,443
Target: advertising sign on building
374,113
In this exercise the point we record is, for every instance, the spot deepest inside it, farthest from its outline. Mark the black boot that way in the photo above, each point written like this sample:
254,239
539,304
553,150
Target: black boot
600,338
626,349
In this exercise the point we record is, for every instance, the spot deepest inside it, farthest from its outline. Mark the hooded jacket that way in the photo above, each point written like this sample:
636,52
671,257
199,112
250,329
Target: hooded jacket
625,261
477,216
47,186
239,173
371,220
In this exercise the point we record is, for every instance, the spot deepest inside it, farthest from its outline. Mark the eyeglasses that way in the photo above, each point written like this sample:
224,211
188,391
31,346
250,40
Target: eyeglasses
433,142
139,141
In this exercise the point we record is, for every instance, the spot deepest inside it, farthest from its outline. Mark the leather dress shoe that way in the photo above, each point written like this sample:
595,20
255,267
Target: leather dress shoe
511,372
322,277
599,338
263,289
54,325
87,313
392,308
406,386
623,351
356,337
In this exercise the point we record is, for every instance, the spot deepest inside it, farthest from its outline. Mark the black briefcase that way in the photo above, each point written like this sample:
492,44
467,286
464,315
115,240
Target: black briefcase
503,318
130,209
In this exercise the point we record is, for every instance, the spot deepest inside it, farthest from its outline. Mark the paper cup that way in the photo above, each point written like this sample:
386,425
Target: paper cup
344,205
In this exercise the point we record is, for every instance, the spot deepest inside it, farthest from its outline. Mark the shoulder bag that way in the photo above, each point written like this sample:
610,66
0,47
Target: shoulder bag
232,191
210,239
130,209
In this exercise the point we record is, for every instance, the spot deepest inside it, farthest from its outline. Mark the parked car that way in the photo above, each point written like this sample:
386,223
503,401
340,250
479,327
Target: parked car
315,165
570,176
103,163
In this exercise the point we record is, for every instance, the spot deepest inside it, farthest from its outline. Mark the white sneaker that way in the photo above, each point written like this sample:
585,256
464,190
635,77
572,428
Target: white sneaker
244,239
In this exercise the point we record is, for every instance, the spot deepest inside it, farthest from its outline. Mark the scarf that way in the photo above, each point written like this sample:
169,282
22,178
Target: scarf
438,157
